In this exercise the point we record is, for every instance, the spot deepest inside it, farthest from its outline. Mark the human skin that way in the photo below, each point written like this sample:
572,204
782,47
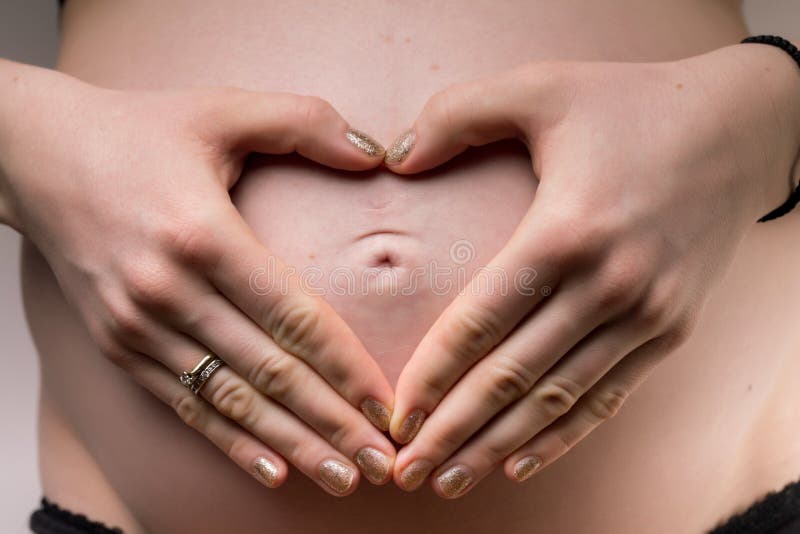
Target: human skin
163,284
626,267
711,371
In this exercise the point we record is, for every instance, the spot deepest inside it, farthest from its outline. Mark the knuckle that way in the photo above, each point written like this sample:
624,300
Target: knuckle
681,330
200,319
191,239
620,283
210,107
605,404
510,380
125,323
121,358
495,451
293,323
115,353
313,111
274,375
564,443
150,286
445,441
556,395
234,399
653,312
431,387
441,106
474,331
237,448
567,241
103,338
190,409
339,434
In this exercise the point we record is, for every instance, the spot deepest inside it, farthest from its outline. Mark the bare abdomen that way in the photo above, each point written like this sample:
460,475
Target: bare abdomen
696,429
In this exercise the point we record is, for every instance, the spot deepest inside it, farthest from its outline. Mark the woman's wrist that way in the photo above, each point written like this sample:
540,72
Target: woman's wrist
753,90
776,80
785,100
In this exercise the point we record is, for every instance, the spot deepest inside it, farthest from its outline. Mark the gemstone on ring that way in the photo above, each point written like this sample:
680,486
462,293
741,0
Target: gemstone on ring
193,380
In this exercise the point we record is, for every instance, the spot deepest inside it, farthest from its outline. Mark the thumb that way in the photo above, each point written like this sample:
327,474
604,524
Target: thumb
510,105
281,123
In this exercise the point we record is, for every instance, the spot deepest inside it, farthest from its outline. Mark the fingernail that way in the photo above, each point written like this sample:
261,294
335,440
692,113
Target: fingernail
454,481
526,467
373,463
415,474
336,475
365,143
411,426
400,148
378,414
266,470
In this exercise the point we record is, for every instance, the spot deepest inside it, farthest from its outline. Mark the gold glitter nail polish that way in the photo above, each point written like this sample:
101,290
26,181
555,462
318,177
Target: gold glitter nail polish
336,475
454,481
365,143
266,470
373,463
378,414
410,427
526,467
415,474
400,148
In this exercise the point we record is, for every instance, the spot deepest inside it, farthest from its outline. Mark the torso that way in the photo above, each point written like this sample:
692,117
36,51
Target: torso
708,433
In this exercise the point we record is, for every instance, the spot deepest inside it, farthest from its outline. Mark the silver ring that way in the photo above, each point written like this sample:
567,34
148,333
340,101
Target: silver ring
193,380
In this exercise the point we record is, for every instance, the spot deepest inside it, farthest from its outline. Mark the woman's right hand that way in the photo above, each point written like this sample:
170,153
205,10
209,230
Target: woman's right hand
126,195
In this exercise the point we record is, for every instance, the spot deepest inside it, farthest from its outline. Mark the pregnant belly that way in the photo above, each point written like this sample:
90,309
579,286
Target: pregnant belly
706,426
389,253
704,429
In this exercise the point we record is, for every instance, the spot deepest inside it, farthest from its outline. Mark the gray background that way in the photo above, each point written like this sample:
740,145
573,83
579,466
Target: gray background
29,33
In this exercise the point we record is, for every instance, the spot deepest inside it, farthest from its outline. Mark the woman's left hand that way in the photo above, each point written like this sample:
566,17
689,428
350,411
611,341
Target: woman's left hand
650,176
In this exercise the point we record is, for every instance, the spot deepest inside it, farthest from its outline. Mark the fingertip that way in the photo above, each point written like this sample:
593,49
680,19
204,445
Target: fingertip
454,482
375,464
377,412
269,472
404,430
521,469
368,152
338,478
413,475
340,146
420,149
398,152
405,402
508,469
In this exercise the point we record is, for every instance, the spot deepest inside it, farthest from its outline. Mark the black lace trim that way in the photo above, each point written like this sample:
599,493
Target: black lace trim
51,519
778,512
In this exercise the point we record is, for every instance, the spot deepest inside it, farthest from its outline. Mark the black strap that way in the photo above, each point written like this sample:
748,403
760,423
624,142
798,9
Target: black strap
789,48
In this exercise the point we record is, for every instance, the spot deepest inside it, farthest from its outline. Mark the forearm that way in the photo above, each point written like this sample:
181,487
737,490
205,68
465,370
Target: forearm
28,98
10,73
